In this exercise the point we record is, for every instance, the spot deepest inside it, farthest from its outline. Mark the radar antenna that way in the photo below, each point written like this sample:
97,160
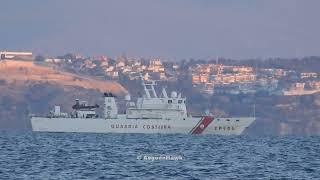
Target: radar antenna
149,87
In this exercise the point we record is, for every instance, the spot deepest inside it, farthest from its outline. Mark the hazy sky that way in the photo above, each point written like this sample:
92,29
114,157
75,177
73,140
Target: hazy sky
163,28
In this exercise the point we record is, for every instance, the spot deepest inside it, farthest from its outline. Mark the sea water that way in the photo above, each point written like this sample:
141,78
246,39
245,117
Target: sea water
28,155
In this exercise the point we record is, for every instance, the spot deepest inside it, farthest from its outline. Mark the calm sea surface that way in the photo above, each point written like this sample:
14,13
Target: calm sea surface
27,155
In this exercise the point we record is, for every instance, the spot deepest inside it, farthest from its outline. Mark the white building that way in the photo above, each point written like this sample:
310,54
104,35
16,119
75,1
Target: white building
15,55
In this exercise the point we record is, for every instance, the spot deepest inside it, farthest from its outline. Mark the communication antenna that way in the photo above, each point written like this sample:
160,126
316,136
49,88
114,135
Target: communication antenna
254,109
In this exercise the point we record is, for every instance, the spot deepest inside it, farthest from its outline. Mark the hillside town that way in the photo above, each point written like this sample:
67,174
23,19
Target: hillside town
206,76
282,93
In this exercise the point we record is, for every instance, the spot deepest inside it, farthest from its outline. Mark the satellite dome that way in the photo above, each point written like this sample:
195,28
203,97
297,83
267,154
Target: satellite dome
174,94
127,97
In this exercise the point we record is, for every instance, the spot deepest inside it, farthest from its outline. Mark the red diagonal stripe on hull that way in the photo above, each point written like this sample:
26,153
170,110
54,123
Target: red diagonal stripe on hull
200,127
198,124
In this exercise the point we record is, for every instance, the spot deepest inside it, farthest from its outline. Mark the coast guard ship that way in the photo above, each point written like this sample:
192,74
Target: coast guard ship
149,114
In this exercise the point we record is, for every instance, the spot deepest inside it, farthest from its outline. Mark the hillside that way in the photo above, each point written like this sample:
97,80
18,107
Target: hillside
28,88
22,73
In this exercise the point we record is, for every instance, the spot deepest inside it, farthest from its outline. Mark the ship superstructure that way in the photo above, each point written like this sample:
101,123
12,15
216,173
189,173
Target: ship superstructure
149,114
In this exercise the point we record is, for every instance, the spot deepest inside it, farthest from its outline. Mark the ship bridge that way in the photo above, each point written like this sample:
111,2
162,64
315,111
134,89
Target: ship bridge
158,107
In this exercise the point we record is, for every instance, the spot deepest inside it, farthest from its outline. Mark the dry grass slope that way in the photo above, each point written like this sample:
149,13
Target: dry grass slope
22,72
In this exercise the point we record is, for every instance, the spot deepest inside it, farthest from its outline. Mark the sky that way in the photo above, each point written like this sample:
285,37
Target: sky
174,29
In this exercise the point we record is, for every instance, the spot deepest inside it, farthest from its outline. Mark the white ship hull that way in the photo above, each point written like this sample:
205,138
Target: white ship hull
150,114
194,125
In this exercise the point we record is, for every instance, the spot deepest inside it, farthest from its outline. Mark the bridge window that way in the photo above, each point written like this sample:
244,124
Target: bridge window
184,101
237,120
179,101
228,119
170,101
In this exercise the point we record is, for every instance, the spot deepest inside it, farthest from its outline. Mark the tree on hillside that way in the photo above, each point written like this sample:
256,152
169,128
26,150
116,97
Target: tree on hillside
39,58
